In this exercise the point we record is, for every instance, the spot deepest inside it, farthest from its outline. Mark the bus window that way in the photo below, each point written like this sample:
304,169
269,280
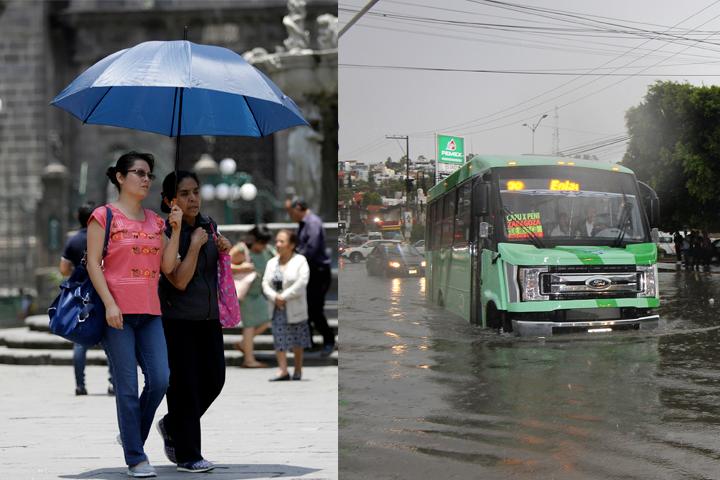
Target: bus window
462,219
448,219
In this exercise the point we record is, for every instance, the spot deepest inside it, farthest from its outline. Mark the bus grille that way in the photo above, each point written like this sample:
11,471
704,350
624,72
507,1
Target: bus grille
583,282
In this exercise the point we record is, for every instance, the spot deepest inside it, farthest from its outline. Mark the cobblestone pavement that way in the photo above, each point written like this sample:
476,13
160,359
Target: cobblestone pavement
254,430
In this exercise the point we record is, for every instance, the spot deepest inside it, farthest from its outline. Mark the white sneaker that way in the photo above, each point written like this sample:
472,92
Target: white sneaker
141,470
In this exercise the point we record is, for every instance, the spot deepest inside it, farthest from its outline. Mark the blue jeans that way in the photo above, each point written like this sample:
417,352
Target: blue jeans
79,356
141,341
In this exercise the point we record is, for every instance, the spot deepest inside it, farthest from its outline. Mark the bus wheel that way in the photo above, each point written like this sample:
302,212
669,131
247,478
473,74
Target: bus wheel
498,320
492,317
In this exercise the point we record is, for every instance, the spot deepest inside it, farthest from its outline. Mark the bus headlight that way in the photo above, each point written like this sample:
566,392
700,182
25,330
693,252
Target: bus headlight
648,280
529,278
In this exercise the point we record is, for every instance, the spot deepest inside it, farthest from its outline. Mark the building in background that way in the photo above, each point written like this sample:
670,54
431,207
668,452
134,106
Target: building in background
52,162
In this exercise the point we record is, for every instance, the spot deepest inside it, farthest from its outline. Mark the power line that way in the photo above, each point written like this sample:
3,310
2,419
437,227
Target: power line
552,90
521,72
589,31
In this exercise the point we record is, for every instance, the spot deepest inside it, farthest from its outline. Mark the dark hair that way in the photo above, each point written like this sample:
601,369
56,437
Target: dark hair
298,202
169,187
125,163
261,233
84,212
292,236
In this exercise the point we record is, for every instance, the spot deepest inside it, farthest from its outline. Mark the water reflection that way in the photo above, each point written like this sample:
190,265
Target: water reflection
440,398
571,405
396,286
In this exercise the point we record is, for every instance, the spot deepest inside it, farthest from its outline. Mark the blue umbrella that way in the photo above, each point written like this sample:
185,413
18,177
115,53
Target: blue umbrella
179,88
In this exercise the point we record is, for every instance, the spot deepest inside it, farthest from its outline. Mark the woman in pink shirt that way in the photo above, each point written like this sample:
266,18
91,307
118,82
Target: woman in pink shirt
127,282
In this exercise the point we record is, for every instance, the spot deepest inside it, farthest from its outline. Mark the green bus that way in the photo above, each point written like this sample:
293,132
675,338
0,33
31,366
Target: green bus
540,245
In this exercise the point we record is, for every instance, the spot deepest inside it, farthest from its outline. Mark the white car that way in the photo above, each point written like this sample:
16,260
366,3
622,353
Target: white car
356,254
666,243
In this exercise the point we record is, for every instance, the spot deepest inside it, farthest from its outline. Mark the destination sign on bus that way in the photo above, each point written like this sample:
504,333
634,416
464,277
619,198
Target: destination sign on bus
536,184
519,224
564,186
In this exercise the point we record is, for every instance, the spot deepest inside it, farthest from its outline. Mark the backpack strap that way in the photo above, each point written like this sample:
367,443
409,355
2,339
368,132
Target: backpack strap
108,224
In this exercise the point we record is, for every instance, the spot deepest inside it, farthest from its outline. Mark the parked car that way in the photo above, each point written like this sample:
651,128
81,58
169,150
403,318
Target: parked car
356,254
392,235
341,246
355,239
374,236
395,260
420,246
666,244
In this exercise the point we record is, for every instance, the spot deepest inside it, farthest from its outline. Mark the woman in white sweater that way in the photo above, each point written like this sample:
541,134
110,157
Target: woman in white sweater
284,284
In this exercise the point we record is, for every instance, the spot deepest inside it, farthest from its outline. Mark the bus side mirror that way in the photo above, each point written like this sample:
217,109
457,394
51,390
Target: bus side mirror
654,212
484,230
481,198
651,203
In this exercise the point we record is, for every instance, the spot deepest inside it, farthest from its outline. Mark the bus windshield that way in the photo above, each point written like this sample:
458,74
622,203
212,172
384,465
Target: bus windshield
569,206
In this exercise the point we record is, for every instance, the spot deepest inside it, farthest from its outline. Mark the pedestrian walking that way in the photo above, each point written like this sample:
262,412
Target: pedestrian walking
126,280
678,240
191,320
250,259
73,255
284,284
311,244
707,250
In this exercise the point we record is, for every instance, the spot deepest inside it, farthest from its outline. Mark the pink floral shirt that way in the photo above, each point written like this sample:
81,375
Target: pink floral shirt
132,263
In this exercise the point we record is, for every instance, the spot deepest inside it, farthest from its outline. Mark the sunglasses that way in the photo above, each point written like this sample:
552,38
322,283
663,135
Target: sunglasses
142,174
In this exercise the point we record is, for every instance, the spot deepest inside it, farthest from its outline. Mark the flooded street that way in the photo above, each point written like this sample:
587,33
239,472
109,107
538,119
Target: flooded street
425,395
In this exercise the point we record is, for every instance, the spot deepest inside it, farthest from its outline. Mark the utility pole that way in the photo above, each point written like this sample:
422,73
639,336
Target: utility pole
556,133
533,128
408,182
407,163
357,16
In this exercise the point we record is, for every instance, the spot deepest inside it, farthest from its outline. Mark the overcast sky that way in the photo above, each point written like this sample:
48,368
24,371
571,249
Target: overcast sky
488,109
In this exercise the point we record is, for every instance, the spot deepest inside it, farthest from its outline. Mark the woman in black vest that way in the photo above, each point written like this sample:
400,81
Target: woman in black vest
189,302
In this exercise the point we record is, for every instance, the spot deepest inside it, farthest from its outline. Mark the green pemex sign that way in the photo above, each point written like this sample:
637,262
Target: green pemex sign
451,150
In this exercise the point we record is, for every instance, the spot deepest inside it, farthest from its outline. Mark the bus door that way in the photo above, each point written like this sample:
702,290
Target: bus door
480,203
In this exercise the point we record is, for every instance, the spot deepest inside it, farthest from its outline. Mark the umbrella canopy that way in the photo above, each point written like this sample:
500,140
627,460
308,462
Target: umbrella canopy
179,88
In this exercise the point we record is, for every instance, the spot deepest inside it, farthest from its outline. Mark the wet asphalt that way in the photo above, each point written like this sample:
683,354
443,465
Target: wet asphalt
424,395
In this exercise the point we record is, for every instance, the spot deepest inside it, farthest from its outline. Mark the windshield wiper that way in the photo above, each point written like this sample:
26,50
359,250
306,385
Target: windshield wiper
622,226
535,240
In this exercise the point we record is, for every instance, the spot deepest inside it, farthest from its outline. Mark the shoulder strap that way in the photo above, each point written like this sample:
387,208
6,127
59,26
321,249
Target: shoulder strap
212,227
108,223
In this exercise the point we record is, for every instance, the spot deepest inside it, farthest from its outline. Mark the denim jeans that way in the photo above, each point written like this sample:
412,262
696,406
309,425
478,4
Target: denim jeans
141,341
79,356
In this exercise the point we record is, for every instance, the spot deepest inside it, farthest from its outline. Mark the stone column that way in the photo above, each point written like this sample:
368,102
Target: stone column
51,225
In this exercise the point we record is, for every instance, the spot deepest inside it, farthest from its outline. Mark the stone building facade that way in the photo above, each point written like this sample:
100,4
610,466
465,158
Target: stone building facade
44,45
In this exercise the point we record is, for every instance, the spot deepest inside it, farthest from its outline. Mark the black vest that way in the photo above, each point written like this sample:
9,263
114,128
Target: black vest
199,301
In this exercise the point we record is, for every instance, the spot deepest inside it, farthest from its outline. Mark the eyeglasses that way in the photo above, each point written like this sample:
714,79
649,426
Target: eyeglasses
142,174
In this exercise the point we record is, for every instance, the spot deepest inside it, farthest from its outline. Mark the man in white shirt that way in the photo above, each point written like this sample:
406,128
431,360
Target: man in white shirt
562,229
587,228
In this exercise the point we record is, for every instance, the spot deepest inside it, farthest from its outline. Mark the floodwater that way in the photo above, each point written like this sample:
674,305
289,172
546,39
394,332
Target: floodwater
424,395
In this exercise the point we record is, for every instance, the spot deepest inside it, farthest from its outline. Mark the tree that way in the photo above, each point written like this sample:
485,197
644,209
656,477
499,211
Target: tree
675,148
371,198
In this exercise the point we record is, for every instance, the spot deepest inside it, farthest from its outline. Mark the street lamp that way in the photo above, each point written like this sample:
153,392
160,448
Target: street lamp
533,128
225,183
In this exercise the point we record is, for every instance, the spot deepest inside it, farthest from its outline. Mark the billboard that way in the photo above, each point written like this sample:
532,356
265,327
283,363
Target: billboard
450,155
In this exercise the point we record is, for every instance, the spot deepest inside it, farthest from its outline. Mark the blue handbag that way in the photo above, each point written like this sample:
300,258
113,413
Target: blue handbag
78,313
